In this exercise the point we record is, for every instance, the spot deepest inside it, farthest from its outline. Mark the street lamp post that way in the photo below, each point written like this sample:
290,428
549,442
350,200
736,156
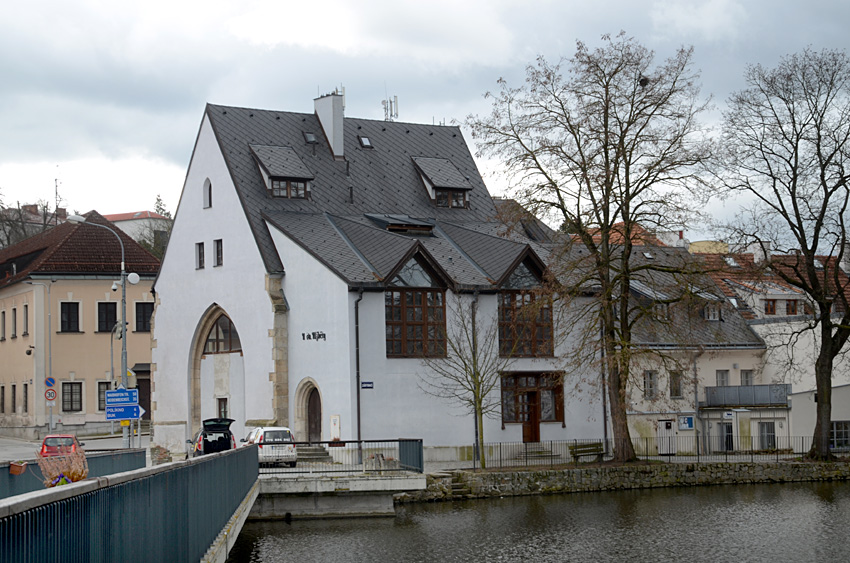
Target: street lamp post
49,344
125,435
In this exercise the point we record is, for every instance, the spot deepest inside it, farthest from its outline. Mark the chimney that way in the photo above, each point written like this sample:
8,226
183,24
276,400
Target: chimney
61,214
31,208
329,110
760,250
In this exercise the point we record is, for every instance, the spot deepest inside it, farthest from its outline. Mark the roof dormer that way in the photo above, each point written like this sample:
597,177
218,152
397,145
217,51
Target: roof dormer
446,186
283,172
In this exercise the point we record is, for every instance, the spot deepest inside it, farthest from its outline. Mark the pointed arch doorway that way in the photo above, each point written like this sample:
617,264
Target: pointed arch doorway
314,416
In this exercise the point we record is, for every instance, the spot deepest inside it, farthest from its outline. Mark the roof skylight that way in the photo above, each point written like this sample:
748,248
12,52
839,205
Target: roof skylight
365,142
310,138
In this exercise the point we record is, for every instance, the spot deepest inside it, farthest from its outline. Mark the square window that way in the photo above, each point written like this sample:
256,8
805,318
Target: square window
218,248
746,377
791,307
70,313
199,256
722,377
144,312
107,316
770,306
72,396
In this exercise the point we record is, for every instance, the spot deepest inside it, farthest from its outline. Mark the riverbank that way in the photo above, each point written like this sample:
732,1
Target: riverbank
460,485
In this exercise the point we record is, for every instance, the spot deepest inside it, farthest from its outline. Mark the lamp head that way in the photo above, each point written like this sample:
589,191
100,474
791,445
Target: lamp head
75,219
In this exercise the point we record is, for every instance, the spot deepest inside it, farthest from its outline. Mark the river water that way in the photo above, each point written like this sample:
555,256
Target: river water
774,523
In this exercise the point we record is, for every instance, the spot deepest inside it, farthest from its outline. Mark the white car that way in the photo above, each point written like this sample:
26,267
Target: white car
275,445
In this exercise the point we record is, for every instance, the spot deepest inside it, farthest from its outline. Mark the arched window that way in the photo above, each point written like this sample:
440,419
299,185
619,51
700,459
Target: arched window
223,337
207,193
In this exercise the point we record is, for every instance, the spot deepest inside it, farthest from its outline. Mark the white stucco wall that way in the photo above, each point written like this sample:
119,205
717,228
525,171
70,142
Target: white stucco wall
185,294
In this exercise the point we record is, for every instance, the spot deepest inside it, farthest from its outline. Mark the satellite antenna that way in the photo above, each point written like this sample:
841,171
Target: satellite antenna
390,108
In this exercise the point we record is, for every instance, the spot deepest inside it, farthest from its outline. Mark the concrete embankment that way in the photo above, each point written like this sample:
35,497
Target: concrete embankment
457,485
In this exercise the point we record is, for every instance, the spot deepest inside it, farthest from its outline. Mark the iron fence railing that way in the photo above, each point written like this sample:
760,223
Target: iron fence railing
676,449
169,513
352,456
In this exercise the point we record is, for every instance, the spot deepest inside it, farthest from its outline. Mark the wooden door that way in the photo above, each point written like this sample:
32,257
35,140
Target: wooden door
314,417
529,414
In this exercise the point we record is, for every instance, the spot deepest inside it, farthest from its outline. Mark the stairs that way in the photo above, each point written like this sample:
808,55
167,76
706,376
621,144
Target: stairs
536,452
313,454
459,488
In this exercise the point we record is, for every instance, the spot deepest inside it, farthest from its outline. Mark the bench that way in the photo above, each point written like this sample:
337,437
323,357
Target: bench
587,449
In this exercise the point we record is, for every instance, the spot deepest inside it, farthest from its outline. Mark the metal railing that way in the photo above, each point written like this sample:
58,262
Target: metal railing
773,395
167,513
677,449
352,457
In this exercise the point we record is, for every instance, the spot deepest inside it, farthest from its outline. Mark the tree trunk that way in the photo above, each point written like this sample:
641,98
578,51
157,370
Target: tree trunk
479,428
823,394
623,448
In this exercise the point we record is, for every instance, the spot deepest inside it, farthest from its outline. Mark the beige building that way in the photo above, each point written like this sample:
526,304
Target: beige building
60,311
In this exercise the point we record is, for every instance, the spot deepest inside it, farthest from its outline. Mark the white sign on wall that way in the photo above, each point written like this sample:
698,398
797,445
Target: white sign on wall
334,427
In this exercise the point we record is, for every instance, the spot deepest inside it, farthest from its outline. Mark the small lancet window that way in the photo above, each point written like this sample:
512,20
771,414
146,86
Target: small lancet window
222,337
521,278
413,274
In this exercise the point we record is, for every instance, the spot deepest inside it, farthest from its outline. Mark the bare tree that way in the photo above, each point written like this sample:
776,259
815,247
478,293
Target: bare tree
470,373
787,151
604,146
23,221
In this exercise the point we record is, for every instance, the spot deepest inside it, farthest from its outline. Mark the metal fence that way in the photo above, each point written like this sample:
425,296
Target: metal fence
677,449
171,513
352,457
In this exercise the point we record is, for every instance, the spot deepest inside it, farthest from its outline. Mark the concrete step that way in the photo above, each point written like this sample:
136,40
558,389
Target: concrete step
316,454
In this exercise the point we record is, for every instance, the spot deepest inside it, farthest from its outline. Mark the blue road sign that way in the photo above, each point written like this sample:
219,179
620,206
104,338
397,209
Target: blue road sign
119,397
50,382
124,412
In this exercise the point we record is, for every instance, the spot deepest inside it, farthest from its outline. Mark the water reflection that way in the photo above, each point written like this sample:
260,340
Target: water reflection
796,522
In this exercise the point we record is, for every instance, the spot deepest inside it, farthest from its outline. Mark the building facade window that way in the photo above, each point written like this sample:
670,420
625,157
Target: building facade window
107,316
199,256
222,408
2,325
14,322
218,249
791,307
712,312
677,380
292,189
26,399
144,312
26,320
529,396
746,377
650,384
223,338
722,377
770,306
2,399
207,193
450,198
70,317
525,324
14,399
767,435
839,435
102,388
72,396
415,314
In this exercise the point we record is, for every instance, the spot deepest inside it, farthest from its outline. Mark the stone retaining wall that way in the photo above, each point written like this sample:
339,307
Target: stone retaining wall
465,484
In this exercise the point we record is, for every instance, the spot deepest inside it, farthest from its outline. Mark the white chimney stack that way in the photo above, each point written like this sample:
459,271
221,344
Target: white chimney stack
329,110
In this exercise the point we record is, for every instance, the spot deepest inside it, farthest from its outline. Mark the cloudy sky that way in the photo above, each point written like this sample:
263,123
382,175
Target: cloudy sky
106,97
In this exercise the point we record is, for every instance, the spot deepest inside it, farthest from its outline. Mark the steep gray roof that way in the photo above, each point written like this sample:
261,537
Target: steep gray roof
281,162
383,179
442,173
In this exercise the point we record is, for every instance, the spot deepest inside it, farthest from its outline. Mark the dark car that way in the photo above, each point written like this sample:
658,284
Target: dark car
214,436
59,444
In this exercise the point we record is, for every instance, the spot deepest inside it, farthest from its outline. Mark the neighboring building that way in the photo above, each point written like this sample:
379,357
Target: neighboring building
57,313
148,228
315,259
19,223
804,413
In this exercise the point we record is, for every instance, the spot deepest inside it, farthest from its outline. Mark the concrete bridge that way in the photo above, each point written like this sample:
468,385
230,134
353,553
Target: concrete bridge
189,510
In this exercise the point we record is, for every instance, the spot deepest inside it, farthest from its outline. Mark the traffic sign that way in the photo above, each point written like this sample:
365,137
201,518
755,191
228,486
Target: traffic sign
118,397
124,412
50,382
50,395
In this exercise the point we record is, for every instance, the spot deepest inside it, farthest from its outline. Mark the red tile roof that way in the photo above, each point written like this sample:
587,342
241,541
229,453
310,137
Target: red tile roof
134,215
71,249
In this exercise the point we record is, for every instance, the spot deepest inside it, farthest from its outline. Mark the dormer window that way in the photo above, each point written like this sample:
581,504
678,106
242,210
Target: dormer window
712,312
292,189
450,198
365,142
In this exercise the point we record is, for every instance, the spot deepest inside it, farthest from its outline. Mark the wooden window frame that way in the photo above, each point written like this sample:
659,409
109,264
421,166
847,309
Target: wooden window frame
289,188
415,322
521,334
513,385
650,384
791,307
199,256
450,199
770,306
72,401
223,341
104,316
69,325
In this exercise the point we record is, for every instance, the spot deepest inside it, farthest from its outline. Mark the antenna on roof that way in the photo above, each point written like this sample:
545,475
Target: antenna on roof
390,108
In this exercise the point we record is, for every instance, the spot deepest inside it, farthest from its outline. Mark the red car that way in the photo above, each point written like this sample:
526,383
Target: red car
59,444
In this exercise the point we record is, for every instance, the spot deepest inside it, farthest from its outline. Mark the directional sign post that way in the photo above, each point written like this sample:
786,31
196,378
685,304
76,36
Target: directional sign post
119,397
124,412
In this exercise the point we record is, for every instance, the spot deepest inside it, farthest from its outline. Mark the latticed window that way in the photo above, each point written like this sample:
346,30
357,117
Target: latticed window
839,435
293,189
532,396
223,337
525,318
415,314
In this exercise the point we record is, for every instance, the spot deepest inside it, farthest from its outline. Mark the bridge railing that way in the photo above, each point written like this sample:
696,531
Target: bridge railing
352,457
171,512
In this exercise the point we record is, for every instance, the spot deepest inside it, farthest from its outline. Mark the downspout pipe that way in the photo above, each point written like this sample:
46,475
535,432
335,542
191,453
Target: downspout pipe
357,356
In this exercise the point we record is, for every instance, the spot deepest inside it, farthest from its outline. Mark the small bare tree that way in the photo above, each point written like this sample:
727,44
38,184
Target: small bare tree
23,221
787,151
155,233
469,375
604,146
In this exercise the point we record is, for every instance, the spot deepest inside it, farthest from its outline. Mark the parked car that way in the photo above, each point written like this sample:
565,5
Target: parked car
275,444
59,444
249,439
214,436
